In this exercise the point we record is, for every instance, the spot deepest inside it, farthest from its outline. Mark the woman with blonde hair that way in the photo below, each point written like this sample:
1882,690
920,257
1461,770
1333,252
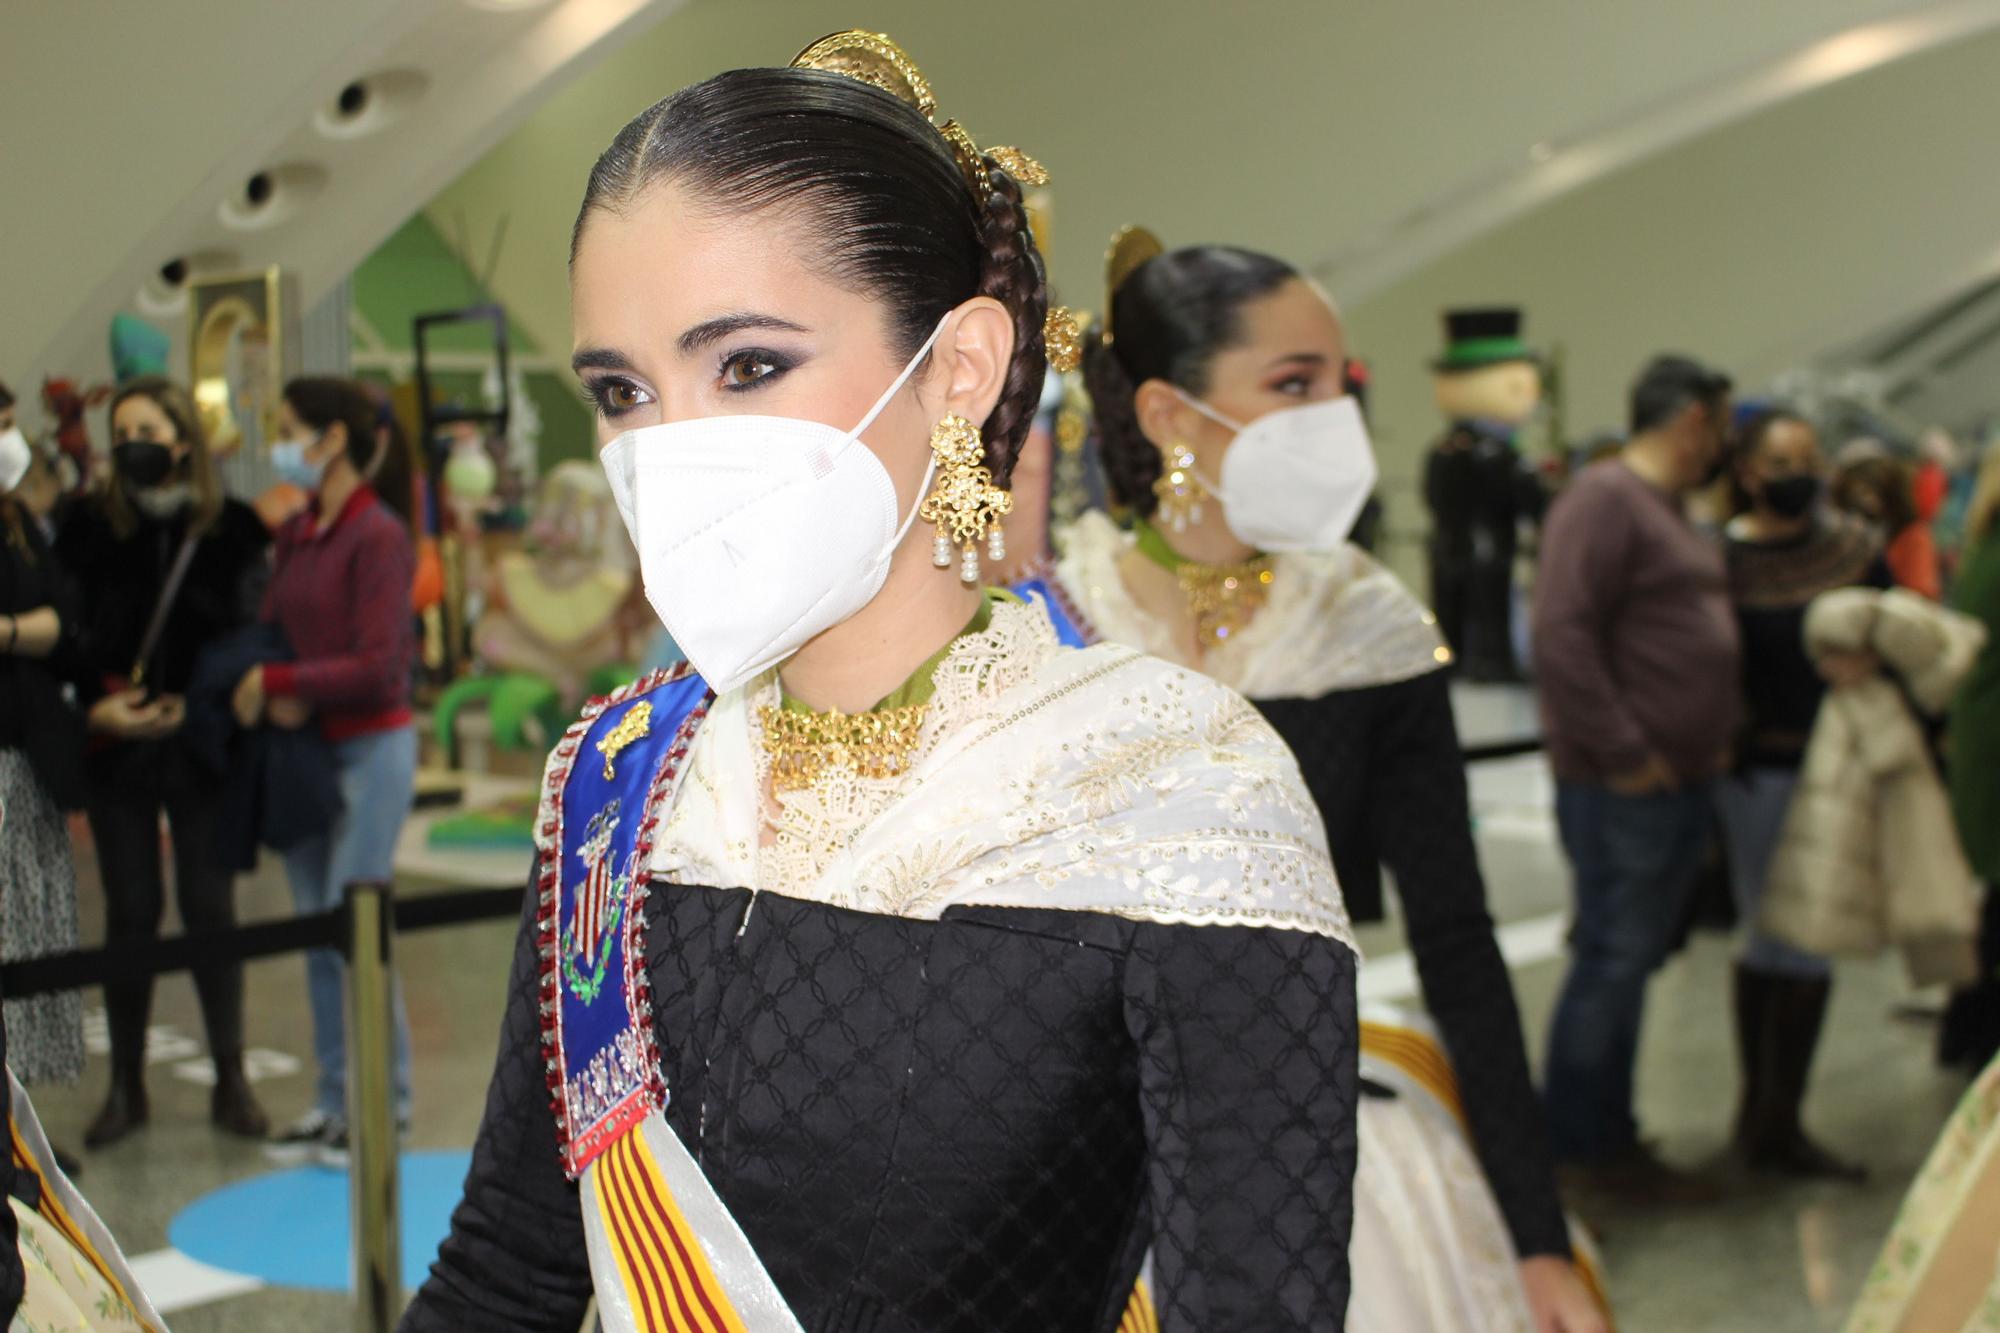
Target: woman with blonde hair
164,563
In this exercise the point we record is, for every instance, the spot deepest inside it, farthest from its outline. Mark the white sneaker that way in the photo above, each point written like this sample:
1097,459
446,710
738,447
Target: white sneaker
306,1138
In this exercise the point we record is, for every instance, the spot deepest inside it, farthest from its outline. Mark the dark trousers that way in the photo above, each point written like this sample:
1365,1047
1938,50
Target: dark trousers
124,810
1634,859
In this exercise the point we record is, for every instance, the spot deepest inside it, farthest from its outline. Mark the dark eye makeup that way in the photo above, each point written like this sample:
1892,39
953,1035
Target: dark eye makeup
740,371
753,368
614,396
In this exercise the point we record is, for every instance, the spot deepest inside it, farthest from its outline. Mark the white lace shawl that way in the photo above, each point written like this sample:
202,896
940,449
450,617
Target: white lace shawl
1335,620
1096,780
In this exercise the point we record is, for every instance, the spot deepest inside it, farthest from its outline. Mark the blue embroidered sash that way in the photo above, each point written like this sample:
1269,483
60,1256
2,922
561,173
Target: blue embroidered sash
610,780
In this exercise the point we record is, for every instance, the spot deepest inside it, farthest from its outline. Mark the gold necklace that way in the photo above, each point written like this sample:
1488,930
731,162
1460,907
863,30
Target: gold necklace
1221,599
803,747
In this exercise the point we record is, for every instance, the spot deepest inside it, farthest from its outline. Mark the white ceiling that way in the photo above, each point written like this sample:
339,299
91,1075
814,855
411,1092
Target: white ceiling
1379,136
1412,152
129,128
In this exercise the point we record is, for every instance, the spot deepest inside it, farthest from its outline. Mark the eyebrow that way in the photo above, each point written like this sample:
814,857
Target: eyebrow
599,358
1307,358
714,330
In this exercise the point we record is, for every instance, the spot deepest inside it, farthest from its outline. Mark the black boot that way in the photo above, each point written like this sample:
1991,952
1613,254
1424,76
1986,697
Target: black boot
125,1109
1778,1026
234,1107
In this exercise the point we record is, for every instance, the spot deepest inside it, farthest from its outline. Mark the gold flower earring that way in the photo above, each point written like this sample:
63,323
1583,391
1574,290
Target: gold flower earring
964,505
1178,490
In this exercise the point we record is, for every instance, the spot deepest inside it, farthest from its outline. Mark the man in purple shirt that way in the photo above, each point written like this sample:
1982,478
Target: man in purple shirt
1636,662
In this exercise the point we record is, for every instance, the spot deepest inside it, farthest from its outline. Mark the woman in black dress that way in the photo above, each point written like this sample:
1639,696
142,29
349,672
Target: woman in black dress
119,546
41,752
1226,430
922,974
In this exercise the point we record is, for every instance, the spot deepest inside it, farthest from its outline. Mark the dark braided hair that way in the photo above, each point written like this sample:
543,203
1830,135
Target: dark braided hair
1168,320
890,209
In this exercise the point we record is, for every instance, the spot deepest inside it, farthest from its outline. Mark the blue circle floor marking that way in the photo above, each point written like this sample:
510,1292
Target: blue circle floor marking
290,1228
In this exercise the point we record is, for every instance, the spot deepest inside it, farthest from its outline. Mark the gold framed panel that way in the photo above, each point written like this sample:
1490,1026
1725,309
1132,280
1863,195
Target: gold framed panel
242,341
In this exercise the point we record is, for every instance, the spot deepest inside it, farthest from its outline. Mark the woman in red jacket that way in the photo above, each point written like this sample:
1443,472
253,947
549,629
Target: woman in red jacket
341,593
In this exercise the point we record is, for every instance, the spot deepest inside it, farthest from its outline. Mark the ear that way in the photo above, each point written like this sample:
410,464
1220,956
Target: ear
1164,416
973,354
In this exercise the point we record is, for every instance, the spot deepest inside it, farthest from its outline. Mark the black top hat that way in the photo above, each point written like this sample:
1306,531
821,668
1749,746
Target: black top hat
1484,337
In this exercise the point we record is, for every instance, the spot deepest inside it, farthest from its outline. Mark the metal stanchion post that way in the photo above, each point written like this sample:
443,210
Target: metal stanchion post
371,1110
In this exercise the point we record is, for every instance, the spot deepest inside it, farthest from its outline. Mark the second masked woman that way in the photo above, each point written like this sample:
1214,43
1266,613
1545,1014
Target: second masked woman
1227,432
902,970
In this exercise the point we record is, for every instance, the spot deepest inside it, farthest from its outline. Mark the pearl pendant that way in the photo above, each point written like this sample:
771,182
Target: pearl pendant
941,551
996,545
968,569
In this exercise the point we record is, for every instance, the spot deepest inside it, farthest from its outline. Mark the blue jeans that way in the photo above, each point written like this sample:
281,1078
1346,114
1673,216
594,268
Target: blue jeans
1753,806
377,775
1634,859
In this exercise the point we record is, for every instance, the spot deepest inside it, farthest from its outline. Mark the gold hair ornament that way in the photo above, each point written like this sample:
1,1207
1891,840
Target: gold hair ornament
964,505
1131,246
1062,337
875,60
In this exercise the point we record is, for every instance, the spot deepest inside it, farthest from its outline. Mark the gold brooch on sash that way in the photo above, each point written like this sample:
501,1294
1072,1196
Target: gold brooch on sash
634,725
803,747
1222,598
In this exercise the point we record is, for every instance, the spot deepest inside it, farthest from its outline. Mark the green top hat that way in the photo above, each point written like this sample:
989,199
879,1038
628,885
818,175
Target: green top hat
1475,339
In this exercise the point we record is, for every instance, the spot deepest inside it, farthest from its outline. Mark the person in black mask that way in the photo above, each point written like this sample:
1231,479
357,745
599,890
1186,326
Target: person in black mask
1784,548
163,563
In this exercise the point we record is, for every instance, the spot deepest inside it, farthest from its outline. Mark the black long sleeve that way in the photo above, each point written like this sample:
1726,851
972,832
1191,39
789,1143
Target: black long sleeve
1248,1051
515,1257
1418,808
910,1116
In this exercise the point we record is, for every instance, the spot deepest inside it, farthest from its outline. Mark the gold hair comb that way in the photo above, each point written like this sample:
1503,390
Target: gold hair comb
873,59
878,62
1131,246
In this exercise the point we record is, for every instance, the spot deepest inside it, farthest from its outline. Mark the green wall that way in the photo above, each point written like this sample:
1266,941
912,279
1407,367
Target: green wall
417,272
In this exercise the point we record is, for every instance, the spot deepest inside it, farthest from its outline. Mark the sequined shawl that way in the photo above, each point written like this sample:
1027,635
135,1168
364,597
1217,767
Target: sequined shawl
1088,780
1336,620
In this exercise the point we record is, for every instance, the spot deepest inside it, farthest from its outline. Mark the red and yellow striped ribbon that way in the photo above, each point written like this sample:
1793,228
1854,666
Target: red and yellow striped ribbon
1140,1317
50,1207
1421,1057
1417,1055
666,1274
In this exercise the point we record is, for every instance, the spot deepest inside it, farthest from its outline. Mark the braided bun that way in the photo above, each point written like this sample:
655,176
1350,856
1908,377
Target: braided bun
1011,274
1131,463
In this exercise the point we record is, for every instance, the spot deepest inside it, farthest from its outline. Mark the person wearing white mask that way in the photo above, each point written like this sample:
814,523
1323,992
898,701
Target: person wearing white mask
41,757
889,967
1227,433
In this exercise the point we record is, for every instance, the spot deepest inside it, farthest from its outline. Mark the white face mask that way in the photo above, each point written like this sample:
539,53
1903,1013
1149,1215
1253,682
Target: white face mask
15,458
1297,478
757,533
